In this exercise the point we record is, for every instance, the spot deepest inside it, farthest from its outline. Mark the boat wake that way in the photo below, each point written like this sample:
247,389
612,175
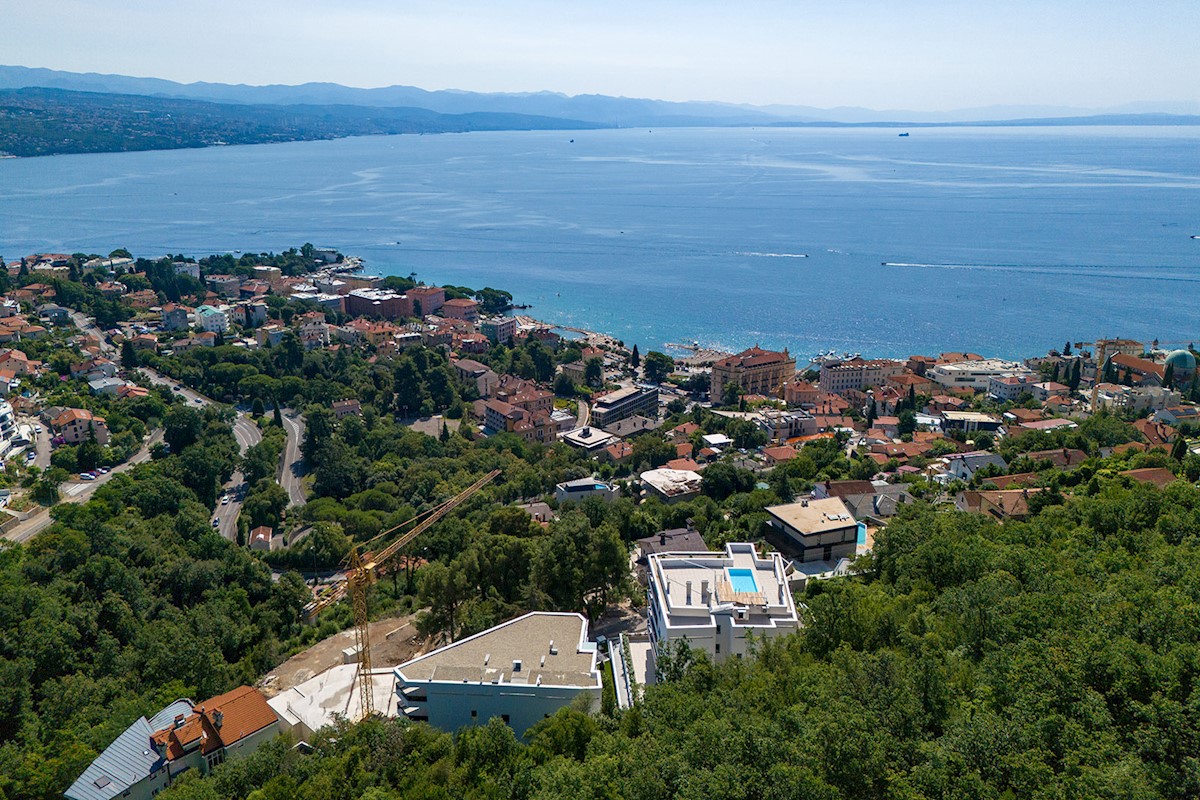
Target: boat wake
774,255
1120,272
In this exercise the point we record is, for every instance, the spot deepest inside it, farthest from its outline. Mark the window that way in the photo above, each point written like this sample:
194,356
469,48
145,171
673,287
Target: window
505,718
474,713
718,648
718,629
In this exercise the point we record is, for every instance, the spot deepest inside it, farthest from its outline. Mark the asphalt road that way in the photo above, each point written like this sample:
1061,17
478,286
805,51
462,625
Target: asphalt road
79,492
247,435
291,470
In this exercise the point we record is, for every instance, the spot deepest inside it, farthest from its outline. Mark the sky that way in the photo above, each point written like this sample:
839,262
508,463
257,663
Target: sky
900,54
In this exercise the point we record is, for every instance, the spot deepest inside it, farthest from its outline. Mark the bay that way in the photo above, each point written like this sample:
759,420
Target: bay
1003,241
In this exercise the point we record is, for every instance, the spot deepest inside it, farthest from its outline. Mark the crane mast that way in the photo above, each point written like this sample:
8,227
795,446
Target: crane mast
362,575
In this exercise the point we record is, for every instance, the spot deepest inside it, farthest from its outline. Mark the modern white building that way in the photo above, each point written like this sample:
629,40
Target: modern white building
522,671
583,488
717,601
672,485
975,375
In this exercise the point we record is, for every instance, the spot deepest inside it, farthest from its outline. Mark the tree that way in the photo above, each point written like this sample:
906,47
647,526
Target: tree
731,393
89,453
443,590
276,414
658,366
1169,376
635,360
1179,450
256,408
1067,348
908,421
265,503
593,372
129,358
181,427
563,385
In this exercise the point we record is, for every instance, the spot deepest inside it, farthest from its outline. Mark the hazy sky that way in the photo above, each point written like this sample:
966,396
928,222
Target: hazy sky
880,54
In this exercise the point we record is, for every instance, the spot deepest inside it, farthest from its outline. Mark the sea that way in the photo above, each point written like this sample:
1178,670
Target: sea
1002,241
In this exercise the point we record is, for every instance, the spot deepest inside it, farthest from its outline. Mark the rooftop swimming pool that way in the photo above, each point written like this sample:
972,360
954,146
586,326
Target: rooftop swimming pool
742,581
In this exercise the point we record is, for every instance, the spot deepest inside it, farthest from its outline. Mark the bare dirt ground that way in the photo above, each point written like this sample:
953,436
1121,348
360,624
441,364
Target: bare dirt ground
385,652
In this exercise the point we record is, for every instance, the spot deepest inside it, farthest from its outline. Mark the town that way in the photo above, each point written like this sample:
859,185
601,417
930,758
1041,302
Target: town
651,507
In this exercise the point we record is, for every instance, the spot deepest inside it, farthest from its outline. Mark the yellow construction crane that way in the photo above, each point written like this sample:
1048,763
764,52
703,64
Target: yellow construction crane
362,574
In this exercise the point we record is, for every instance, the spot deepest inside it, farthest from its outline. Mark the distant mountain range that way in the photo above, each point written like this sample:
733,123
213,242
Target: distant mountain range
45,111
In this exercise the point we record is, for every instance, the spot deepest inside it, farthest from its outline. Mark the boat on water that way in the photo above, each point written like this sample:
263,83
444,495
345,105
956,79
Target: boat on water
904,134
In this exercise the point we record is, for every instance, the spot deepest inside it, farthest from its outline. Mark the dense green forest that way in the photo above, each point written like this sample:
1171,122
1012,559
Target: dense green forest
126,603
40,122
1053,658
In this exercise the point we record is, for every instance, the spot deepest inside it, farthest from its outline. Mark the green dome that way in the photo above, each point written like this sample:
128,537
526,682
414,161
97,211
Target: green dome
1182,360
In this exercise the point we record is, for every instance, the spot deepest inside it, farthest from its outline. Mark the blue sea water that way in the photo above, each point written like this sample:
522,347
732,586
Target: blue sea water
1005,241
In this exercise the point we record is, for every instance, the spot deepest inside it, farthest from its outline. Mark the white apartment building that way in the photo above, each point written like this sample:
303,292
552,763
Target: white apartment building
522,671
714,601
974,375
1007,388
213,320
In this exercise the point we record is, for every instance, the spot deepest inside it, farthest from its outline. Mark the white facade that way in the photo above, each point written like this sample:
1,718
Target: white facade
522,671
213,320
1007,388
718,601
975,375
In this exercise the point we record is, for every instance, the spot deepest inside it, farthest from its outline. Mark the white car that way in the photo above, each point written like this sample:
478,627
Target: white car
225,500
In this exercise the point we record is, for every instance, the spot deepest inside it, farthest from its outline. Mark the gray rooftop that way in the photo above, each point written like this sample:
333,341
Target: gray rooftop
552,649
123,763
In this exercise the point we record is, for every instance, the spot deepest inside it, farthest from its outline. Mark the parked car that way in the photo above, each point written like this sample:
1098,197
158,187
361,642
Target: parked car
87,476
216,522
104,470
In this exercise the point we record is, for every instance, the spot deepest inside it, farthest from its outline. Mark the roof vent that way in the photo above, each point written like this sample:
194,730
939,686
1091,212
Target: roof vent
486,658
516,665
553,649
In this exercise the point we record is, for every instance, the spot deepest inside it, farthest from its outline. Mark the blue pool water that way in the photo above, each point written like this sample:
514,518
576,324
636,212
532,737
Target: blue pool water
742,580
862,533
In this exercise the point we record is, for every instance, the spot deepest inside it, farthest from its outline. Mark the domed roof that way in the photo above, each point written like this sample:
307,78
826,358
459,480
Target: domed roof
1182,360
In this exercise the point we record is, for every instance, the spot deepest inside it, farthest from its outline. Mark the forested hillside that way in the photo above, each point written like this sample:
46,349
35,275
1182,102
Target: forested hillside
39,122
1048,659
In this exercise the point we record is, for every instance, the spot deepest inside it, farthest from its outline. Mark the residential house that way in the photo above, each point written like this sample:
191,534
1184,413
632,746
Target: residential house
426,299
1139,370
1063,458
378,304
461,308
671,485
675,540
151,754
175,317
1000,504
1158,476
1007,388
822,530
75,424
224,285
963,466
617,452
211,319
578,490
1044,390
347,408
478,375
498,329
719,603
633,426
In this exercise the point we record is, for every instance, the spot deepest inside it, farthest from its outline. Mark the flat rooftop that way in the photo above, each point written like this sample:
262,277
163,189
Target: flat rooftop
814,516
738,576
551,648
